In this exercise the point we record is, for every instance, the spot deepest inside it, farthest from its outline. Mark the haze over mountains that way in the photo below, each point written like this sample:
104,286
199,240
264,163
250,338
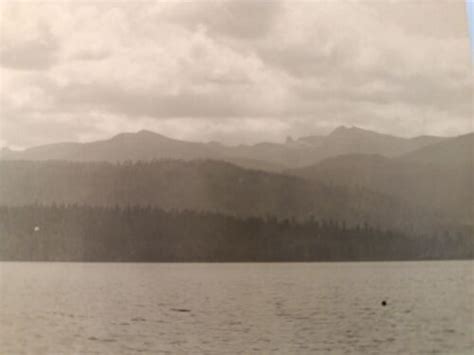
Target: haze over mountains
205,186
352,177
146,145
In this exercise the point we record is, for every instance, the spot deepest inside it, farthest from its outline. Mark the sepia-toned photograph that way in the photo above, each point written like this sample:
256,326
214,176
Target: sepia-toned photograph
236,177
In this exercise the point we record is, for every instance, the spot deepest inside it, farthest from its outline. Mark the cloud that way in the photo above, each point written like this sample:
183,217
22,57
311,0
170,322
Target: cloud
26,45
196,69
245,19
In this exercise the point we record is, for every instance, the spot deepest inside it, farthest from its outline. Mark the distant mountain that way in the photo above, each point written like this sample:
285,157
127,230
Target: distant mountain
143,145
439,177
455,151
146,146
354,140
209,186
312,149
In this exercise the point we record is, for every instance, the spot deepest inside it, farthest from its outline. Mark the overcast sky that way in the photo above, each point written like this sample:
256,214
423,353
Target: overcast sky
232,71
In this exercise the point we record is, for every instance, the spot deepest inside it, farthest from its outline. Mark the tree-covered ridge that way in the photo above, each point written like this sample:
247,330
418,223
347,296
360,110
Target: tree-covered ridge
146,234
202,185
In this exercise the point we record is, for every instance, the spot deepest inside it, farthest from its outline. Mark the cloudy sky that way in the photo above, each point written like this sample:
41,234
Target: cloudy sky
236,71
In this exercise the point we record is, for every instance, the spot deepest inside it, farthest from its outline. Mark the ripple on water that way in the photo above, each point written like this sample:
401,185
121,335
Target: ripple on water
238,308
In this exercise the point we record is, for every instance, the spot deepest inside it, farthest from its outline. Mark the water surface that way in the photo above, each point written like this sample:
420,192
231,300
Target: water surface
319,308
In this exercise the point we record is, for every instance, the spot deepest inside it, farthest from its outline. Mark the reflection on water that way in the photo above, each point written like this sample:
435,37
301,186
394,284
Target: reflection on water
67,308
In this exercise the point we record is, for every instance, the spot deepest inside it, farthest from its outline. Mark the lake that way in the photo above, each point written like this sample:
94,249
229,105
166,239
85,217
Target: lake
294,308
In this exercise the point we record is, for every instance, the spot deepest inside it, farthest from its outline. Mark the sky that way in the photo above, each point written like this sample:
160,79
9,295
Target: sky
470,12
233,71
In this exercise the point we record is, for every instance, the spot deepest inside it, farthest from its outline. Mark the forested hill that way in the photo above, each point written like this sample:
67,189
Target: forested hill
140,234
207,211
202,186
447,187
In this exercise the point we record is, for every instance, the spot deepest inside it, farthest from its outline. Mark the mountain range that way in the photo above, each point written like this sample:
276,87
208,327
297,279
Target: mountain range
351,178
146,145
389,181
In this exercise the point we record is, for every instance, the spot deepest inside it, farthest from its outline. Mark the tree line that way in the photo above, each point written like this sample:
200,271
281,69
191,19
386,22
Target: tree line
150,234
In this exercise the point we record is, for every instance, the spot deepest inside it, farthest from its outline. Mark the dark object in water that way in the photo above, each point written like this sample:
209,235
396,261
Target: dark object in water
384,303
138,319
180,310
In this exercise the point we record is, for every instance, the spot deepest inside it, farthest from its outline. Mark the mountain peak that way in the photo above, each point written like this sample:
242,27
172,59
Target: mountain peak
344,130
145,132
356,132
142,134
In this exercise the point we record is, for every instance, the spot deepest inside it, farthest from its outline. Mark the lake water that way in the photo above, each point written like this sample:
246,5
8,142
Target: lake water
319,308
